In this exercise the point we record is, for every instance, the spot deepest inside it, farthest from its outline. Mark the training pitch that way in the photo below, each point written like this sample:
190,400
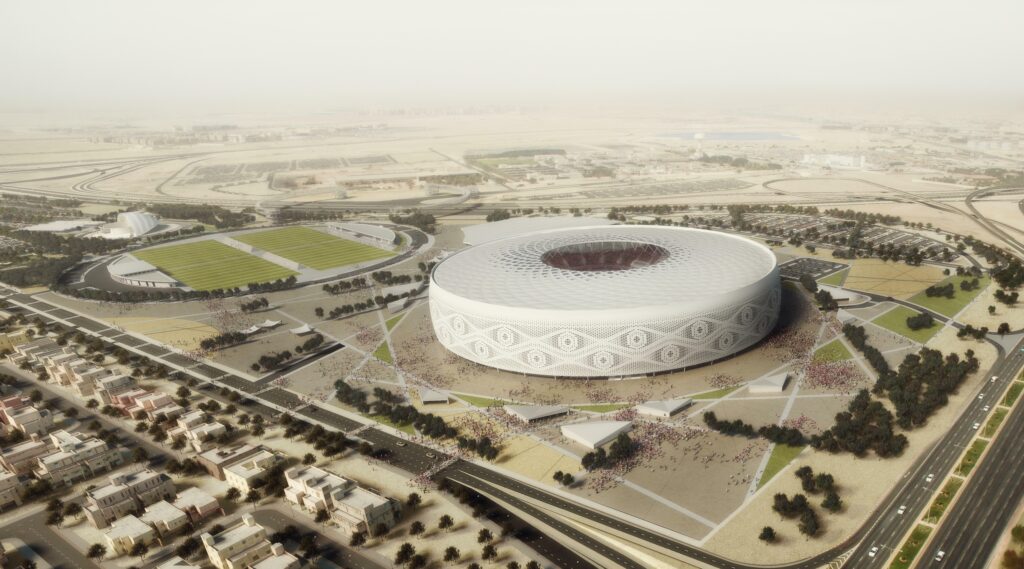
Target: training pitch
312,248
209,265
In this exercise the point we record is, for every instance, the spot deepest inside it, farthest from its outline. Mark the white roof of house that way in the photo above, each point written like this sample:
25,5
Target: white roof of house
304,329
669,406
516,226
162,511
194,497
176,563
269,323
596,433
534,412
282,561
428,395
129,526
252,330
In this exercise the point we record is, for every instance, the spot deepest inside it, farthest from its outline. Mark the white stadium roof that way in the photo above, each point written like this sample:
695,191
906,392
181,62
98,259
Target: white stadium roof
516,226
595,433
691,265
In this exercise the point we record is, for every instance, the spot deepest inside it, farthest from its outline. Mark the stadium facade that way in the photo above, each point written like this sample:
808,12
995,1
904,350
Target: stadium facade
605,301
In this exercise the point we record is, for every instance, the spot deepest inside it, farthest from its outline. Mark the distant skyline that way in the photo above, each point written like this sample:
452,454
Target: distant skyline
190,56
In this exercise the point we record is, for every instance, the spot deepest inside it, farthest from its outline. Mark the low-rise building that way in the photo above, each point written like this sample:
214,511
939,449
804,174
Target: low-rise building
198,505
165,518
244,473
244,546
19,413
196,430
126,493
21,458
78,374
177,563
216,460
10,490
125,532
109,387
10,340
353,508
155,406
77,457
33,352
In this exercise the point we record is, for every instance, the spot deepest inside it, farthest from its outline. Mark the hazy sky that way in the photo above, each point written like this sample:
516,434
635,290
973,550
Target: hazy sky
212,54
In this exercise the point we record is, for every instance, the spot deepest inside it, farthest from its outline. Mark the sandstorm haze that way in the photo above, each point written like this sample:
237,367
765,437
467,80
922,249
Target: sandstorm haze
78,59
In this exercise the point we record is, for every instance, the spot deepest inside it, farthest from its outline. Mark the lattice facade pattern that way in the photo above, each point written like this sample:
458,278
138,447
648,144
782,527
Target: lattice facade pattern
609,342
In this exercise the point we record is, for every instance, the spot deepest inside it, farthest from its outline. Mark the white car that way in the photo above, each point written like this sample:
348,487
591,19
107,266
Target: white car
985,408
994,378
982,396
976,425
940,555
929,478
900,511
873,551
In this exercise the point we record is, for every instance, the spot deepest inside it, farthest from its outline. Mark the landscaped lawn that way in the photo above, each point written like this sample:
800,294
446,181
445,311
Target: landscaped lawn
386,421
780,457
607,408
1013,393
993,422
943,499
950,306
896,320
970,459
393,321
383,353
834,351
905,556
480,401
716,394
835,279
312,248
209,265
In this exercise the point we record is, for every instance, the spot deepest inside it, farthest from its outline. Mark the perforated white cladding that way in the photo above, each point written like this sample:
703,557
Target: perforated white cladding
509,272
644,332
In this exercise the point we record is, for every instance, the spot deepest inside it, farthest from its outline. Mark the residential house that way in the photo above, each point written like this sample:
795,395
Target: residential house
129,492
77,457
242,474
10,490
165,519
244,546
109,387
216,460
126,532
19,413
353,508
21,458
198,505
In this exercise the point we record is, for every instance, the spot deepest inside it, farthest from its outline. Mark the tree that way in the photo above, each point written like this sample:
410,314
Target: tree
72,412
188,548
452,554
139,550
321,516
512,565
54,505
404,553
258,431
140,455
488,552
310,458
1017,533
484,536
233,494
418,561
417,528
413,500
96,551
473,565
253,496
92,404
445,523
55,519
36,396
73,509
532,565
809,525
767,534
991,309
1004,328
832,502
380,530
183,392
358,539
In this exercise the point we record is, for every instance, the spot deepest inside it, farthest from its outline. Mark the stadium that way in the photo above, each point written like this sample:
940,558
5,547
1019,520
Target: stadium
608,301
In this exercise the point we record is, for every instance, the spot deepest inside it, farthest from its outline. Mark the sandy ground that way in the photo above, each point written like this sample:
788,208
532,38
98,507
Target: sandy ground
862,483
977,314
177,332
891,279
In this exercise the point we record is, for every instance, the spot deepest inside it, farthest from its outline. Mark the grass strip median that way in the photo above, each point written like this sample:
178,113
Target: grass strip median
905,556
943,499
971,458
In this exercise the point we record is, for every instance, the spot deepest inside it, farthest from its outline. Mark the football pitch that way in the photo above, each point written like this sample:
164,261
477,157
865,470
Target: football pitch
312,248
209,265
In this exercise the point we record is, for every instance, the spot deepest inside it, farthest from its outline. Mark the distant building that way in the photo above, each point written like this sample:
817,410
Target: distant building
198,505
196,431
216,460
109,387
165,519
9,340
10,490
153,405
245,546
19,413
126,493
21,458
129,224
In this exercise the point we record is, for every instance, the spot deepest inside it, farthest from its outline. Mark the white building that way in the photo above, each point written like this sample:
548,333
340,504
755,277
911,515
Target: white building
10,490
595,434
129,224
531,413
244,546
125,532
19,413
665,408
242,474
769,384
353,508
77,457
128,492
165,518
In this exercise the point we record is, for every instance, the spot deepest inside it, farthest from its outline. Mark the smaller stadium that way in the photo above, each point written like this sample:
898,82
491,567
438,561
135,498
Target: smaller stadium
235,260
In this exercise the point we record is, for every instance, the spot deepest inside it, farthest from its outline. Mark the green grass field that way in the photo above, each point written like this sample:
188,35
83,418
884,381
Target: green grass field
943,499
383,353
716,394
312,248
835,279
834,351
1013,393
477,401
994,421
896,320
780,457
971,457
950,306
905,556
607,408
209,265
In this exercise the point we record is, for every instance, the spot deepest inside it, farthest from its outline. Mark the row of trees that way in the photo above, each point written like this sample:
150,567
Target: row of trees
920,321
775,433
622,448
341,287
224,340
254,305
271,361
